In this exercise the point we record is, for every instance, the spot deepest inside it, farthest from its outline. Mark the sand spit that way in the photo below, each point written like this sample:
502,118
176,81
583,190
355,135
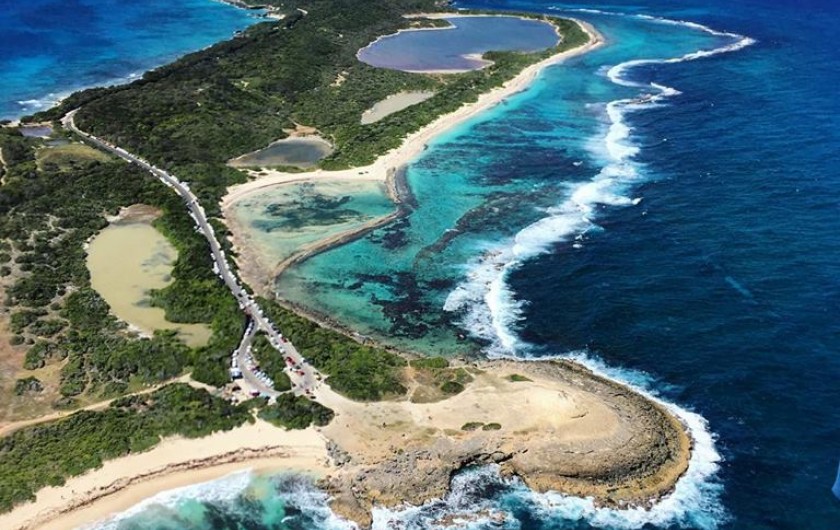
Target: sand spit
557,426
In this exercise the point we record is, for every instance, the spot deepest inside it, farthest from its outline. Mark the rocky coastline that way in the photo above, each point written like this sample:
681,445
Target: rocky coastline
632,463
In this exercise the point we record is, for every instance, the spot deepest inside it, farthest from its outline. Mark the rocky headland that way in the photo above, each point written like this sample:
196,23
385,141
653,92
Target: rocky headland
555,425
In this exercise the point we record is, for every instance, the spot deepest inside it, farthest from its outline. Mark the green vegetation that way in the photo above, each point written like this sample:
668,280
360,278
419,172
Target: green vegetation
452,387
271,362
475,425
46,215
47,454
238,96
517,378
296,412
28,385
360,372
430,363
67,157
437,379
190,117
42,351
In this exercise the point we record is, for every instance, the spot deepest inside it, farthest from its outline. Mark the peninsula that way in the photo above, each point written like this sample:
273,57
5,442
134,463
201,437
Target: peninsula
368,419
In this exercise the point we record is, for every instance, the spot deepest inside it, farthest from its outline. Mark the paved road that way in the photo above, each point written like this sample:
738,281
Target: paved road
306,377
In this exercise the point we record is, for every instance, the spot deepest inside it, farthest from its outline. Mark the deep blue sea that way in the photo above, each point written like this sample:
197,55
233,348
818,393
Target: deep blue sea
49,48
667,217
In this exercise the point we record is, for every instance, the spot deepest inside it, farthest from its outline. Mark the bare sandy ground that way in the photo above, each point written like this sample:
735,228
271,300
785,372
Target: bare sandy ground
542,405
558,423
562,429
394,103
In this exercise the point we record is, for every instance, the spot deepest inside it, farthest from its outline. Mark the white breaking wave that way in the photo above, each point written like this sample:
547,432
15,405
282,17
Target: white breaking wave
293,490
54,98
490,310
223,489
694,502
299,491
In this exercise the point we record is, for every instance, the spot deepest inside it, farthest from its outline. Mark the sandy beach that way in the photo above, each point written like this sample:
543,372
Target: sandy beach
389,163
176,462
414,143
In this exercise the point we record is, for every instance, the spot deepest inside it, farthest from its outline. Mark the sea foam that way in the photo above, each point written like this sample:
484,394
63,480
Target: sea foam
224,489
251,499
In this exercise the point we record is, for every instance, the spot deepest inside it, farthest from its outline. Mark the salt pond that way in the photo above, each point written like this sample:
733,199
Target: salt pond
299,151
459,48
125,261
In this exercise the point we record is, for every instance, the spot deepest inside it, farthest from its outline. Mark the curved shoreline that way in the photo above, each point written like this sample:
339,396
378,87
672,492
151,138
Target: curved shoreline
252,269
177,462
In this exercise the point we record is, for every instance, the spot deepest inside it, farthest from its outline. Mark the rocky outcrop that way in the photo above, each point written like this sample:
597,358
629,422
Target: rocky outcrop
631,464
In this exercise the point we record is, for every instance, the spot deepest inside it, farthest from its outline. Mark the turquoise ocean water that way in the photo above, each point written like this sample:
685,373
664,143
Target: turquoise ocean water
665,210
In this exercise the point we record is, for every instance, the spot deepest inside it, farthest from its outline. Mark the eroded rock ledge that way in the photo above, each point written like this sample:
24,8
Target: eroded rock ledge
562,429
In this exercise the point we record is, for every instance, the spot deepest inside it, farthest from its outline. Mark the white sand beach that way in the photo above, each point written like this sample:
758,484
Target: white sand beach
176,462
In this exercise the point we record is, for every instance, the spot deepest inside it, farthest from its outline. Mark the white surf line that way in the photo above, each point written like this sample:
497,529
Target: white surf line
491,310
693,503
223,489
